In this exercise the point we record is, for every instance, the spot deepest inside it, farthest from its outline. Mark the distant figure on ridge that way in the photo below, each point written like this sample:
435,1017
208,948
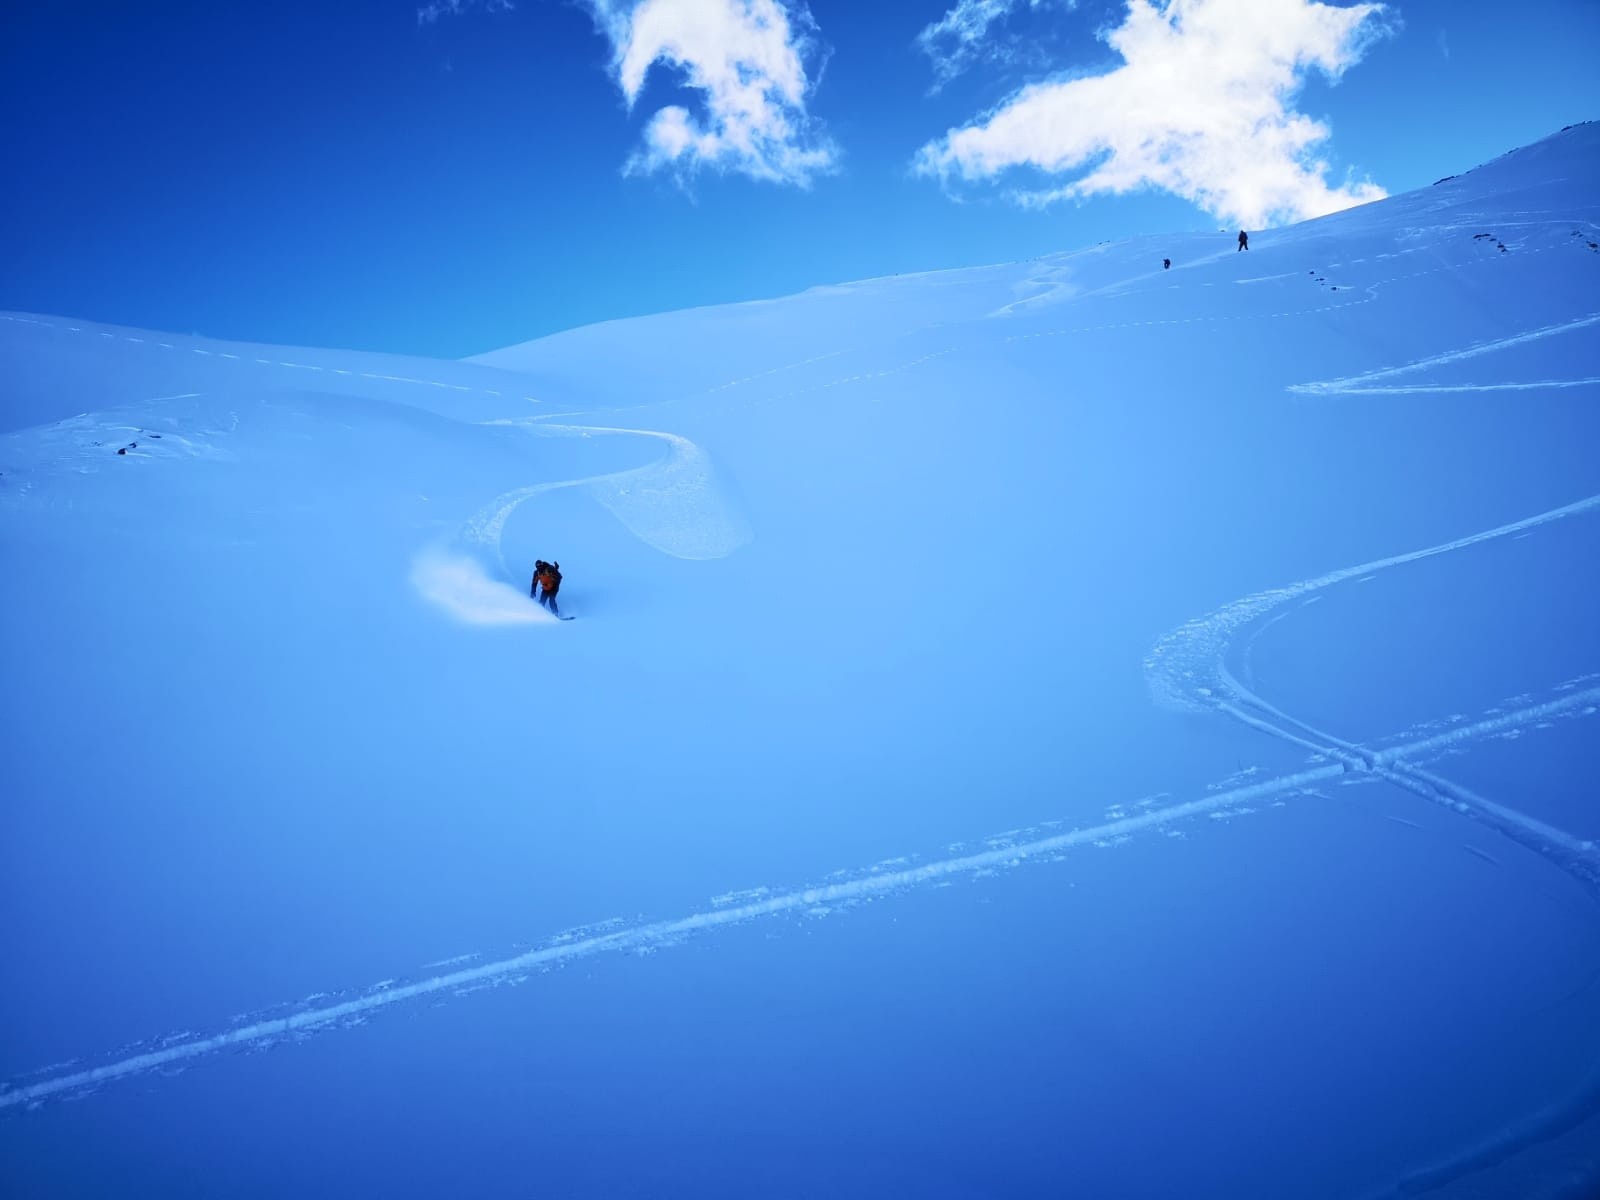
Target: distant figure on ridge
546,583
1244,240
1166,264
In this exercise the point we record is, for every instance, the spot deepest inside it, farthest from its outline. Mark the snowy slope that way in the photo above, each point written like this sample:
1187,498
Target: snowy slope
1253,599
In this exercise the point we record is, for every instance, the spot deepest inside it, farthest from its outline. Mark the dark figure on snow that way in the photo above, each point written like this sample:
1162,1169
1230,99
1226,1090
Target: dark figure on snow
546,583
1244,240
1166,263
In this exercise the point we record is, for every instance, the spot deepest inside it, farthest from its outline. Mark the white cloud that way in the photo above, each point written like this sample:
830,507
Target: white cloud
434,9
747,59
1202,107
961,36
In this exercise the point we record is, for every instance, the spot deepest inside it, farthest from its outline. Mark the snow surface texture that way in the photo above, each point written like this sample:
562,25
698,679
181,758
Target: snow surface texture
859,571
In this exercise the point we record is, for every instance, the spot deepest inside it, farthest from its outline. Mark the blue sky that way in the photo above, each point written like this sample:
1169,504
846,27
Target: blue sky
447,178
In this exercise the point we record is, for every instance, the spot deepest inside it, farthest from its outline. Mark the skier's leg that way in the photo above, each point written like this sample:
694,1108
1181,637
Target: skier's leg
553,607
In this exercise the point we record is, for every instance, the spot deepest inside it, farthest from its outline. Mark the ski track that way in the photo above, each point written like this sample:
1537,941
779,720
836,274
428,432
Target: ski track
672,504
1002,852
1183,669
1370,290
1357,383
804,362
1551,1121
1188,667
830,384
1423,389
443,384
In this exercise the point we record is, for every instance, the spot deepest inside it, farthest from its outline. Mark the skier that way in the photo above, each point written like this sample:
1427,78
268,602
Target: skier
1244,240
1166,264
546,583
